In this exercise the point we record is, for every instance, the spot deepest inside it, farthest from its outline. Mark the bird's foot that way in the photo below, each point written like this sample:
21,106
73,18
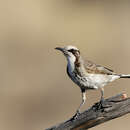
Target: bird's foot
101,105
75,116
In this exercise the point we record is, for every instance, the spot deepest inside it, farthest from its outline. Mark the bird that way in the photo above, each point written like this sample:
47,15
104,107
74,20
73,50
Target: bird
86,74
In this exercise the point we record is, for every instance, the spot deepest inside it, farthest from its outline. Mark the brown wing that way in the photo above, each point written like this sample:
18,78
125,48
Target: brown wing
97,69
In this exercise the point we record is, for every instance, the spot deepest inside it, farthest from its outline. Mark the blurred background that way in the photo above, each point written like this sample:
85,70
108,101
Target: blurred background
35,91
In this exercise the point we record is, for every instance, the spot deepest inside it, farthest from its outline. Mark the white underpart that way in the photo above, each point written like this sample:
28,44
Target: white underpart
100,80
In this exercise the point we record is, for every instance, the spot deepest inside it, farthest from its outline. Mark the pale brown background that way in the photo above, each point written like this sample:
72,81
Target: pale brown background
35,91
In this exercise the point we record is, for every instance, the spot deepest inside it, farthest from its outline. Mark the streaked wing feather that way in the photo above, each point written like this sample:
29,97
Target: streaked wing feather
97,69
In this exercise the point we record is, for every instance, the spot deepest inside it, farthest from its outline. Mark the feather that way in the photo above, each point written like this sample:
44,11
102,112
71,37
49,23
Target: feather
97,69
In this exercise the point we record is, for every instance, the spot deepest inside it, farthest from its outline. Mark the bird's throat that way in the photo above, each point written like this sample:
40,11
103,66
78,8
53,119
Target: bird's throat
71,64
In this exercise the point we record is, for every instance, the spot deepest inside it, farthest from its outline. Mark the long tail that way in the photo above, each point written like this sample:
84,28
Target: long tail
125,76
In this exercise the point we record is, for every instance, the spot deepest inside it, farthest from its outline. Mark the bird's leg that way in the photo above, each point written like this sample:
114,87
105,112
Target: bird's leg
82,103
100,104
102,95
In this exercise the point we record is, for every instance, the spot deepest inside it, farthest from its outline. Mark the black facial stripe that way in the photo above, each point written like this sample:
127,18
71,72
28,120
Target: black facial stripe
71,50
74,51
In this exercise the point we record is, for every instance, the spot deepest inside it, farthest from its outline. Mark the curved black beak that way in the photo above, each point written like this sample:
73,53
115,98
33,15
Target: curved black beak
59,48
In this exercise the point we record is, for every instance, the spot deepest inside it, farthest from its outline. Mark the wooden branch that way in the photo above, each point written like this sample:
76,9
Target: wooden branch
113,107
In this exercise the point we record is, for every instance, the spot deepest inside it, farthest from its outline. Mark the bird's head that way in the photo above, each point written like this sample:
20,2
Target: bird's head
70,52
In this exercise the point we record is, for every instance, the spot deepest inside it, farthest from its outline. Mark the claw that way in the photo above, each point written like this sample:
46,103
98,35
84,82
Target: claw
75,116
99,105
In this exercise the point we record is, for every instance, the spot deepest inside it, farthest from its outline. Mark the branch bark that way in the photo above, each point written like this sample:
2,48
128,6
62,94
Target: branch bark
113,107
